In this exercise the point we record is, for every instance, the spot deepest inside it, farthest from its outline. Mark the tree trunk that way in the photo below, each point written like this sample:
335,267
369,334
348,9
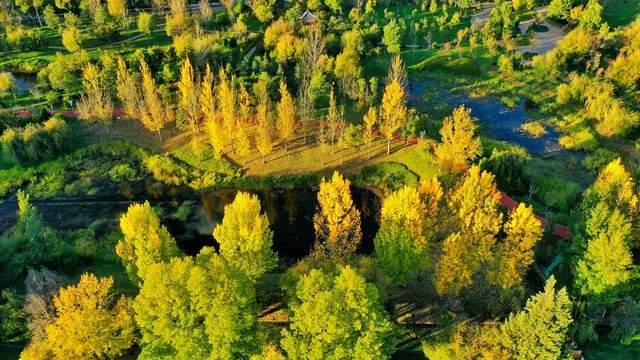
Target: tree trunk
388,146
369,156
160,135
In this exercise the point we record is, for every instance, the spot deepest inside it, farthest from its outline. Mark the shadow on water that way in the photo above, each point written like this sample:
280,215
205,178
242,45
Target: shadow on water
290,213
496,119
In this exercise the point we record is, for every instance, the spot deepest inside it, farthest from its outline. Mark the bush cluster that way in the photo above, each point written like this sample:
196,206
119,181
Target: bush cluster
35,142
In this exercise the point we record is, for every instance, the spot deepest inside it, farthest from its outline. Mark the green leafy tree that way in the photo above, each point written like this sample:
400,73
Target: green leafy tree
145,23
539,332
245,238
559,9
400,243
72,39
337,317
201,308
145,241
392,36
591,16
337,221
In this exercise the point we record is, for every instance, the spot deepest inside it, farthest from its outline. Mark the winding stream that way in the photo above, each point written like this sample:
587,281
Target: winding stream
496,119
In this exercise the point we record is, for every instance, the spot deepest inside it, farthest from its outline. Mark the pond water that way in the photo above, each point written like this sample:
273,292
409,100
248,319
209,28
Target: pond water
290,213
496,119
24,82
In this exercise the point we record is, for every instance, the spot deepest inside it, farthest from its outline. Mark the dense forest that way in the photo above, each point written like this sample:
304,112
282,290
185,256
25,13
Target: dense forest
319,179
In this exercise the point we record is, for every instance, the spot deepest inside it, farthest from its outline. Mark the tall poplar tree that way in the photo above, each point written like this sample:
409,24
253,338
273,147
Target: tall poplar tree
370,120
188,96
227,105
393,111
152,112
285,123
213,126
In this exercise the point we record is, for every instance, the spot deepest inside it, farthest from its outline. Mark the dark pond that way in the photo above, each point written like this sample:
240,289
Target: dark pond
496,119
290,213
24,82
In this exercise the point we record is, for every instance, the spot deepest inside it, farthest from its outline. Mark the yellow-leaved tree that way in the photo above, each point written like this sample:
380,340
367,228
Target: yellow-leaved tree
514,254
393,111
227,105
337,221
89,323
128,91
212,121
188,96
145,241
95,103
459,143
152,112
245,238
475,207
370,120
401,244
285,123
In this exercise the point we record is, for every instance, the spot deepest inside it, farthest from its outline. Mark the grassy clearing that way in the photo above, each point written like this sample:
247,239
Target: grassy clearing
611,350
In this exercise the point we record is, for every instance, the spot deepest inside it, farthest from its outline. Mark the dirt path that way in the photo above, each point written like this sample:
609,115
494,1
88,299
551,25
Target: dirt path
541,42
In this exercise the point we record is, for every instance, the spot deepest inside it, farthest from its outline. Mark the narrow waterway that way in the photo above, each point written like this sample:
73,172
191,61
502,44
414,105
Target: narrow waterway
191,220
495,119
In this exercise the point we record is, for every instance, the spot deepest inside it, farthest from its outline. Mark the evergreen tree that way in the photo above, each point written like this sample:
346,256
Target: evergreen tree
337,221
606,261
145,241
245,238
539,332
337,317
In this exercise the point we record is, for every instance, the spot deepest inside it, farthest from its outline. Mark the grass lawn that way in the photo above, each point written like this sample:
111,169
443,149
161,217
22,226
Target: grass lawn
621,12
611,350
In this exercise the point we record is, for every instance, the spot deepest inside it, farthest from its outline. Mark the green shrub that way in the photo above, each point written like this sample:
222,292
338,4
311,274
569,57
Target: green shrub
387,176
583,139
23,38
534,128
599,158
508,166
35,142
166,170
